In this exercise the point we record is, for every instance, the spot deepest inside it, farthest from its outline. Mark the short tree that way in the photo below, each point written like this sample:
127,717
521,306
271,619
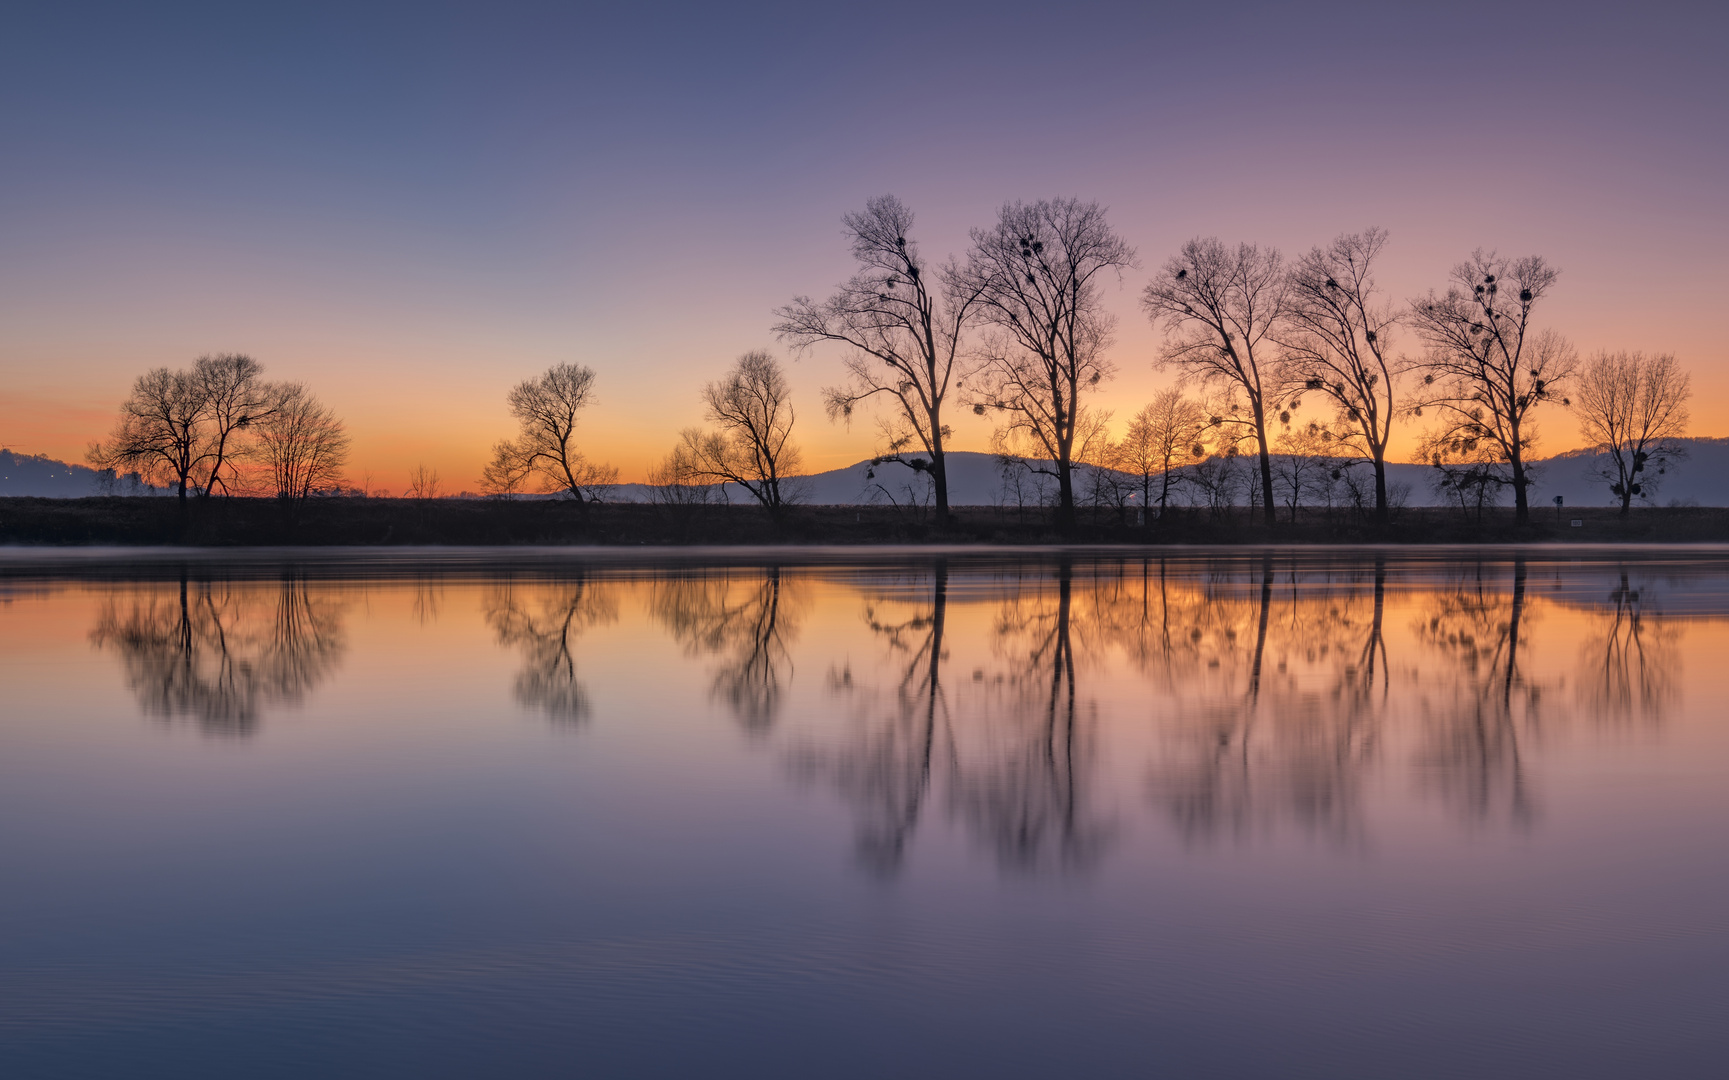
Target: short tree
301,443
1220,308
1632,409
750,443
1487,368
547,409
1038,276
1308,466
1168,432
422,483
904,329
1469,471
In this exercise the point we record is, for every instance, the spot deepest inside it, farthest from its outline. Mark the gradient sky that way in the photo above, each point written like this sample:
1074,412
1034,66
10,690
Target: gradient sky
413,207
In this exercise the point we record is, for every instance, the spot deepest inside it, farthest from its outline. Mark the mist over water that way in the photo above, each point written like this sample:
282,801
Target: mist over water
1331,813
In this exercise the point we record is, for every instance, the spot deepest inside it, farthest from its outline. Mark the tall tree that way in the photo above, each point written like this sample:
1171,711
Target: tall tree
1486,367
1337,341
1221,309
1632,408
751,442
235,398
1038,277
160,433
547,408
905,330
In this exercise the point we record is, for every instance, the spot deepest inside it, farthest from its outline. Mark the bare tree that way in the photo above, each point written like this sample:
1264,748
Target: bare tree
422,483
161,432
1486,368
235,398
1168,431
671,484
751,444
1221,309
1307,466
1337,343
905,332
547,408
1037,276
301,442
1632,408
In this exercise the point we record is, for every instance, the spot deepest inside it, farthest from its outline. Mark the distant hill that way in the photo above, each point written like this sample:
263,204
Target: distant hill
1702,479
44,477
975,480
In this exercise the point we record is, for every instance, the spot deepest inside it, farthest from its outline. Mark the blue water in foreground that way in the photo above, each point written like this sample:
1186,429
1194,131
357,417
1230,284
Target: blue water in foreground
1287,813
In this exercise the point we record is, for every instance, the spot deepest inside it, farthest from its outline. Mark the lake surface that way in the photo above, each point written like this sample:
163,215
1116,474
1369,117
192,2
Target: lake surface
456,813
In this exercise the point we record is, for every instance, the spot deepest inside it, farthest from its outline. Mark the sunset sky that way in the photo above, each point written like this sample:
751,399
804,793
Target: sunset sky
413,207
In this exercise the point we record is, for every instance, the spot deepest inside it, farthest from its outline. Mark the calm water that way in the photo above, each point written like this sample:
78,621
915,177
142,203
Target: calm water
1248,814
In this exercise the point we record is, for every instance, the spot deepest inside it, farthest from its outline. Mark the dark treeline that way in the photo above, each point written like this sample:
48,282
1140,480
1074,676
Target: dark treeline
372,522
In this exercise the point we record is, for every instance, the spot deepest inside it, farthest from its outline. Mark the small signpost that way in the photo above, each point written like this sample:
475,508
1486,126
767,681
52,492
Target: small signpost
1557,509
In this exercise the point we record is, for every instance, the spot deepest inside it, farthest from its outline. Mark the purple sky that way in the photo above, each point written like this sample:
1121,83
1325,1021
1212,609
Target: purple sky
412,208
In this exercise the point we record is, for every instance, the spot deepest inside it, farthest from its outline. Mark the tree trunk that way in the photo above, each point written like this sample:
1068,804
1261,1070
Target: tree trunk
1381,513
1065,497
1521,502
940,481
1267,501
1272,508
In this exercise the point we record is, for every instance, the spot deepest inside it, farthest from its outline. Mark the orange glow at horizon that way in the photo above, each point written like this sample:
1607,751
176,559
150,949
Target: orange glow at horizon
448,415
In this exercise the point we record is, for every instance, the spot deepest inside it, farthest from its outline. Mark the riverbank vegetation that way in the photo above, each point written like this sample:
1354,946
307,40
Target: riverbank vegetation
369,522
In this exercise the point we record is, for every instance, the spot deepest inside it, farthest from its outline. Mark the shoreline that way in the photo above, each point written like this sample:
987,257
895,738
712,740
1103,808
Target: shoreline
258,524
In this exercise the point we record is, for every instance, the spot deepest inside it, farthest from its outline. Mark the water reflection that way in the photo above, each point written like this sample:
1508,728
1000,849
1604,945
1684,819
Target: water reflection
543,620
1024,764
883,769
1280,690
1037,708
1009,750
219,652
748,620
1479,699
1630,650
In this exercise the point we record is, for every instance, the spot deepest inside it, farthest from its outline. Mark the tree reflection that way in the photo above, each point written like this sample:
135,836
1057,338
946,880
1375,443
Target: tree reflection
1022,765
220,652
1278,696
544,620
884,771
1471,755
748,620
1008,751
1629,670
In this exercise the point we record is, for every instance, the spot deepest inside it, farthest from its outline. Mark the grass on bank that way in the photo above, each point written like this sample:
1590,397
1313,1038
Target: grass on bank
266,522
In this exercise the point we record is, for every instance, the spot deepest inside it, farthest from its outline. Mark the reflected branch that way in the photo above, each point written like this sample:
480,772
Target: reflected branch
748,621
220,652
544,621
